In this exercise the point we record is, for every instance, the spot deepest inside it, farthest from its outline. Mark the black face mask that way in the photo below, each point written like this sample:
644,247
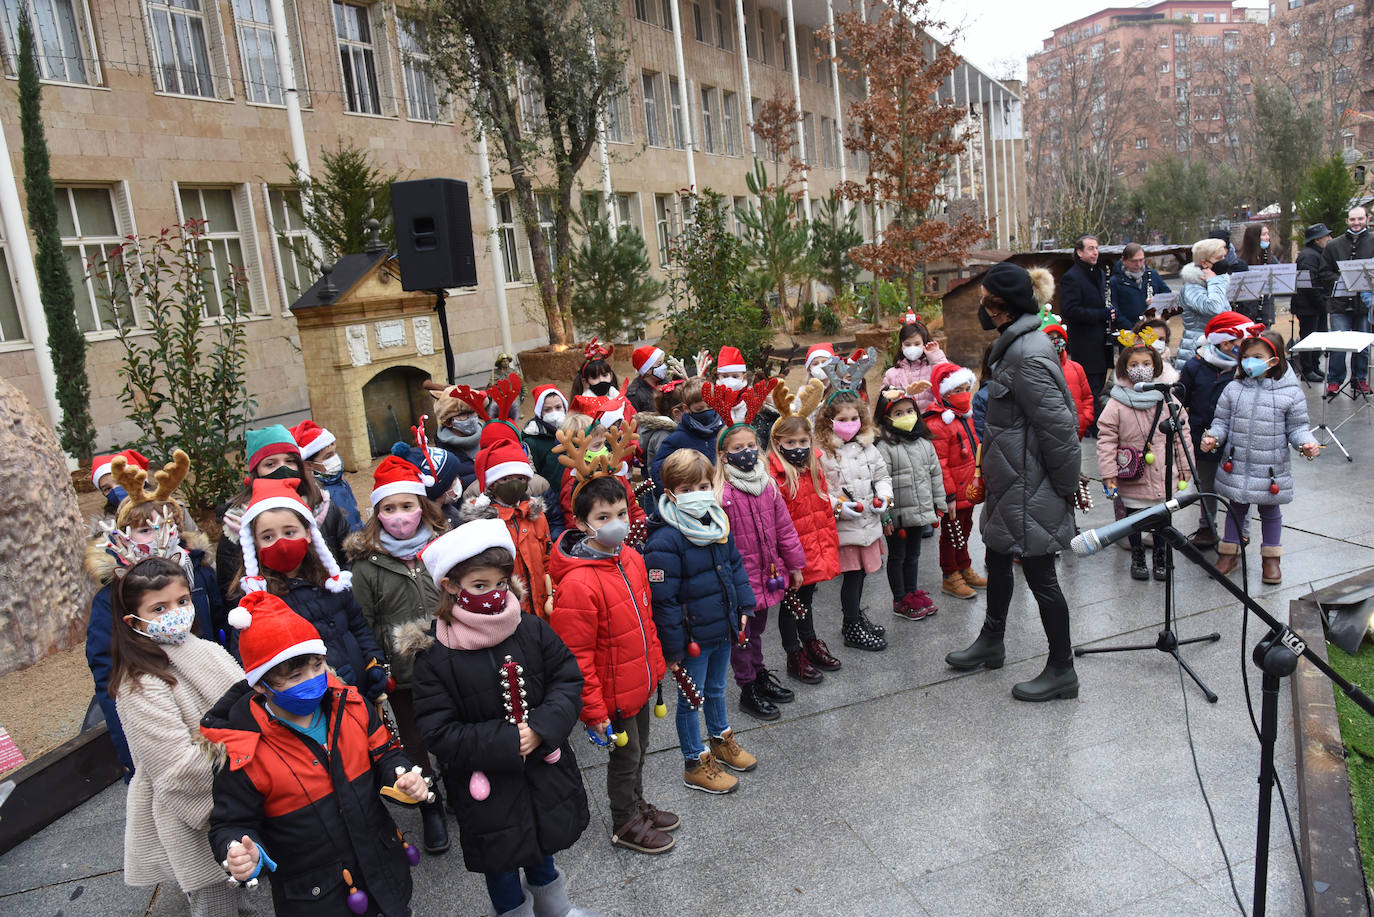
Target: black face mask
600,389
510,493
985,319
744,460
281,473
797,457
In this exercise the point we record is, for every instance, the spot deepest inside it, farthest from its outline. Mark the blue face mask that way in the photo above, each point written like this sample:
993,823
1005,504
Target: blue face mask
303,698
1254,367
1264,244
115,497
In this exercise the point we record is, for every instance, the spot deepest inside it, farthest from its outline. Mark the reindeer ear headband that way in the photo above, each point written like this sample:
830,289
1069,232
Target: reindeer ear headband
803,405
594,351
1146,338
847,374
503,395
724,400
572,452
891,396
474,398
132,479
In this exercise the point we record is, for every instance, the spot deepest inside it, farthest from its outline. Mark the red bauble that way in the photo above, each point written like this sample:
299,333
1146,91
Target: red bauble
1227,465
1274,487
901,533
390,684
693,649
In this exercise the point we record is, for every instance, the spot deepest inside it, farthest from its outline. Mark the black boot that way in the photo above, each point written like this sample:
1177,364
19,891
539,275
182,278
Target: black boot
768,687
985,651
1160,560
434,822
756,705
861,638
1051,683
876,629
1138,569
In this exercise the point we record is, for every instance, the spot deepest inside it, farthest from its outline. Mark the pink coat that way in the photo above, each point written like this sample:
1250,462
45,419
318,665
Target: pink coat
1122,425
765,537
903,374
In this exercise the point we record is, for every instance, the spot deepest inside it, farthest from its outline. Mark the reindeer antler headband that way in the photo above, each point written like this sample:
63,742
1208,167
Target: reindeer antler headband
504,394
1146,338
803,405
132,478
595,350
724,400
893,395
572,452
847,374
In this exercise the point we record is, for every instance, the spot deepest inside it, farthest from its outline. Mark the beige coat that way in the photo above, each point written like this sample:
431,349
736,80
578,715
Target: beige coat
1123,425
167,810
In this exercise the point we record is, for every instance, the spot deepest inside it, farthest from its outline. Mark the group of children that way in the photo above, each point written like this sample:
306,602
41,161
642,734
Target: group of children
510,582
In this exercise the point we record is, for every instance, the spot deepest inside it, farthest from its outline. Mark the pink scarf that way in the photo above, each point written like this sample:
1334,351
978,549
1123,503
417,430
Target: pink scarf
471,631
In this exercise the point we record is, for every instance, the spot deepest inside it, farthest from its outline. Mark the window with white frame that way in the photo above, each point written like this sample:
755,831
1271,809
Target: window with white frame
665,226
722,19
530,101
627,210
653,124
676,119
543,201
91,233
709,124
61,33
262,81
357,58
737,210
291,244
729,124
619,127
642,10
784,49
512,235
11,327
700,29
422,101
225,239
181,31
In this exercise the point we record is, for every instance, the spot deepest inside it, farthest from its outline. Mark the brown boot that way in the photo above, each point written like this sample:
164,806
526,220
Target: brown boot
973,579
727,752
1270,573
706,775
639,834
954,585
1228,555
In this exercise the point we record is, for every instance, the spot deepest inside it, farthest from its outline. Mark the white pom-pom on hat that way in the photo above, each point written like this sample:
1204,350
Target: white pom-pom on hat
240,617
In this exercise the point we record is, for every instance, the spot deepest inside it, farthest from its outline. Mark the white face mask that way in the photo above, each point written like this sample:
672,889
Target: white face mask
818,370
912,353
660,372
732,384
332,466
554,418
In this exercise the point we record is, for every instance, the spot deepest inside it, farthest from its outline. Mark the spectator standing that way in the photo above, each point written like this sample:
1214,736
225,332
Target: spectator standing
1347,313
1309,303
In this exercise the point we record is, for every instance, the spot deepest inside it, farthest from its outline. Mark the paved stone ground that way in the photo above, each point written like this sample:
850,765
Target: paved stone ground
900,787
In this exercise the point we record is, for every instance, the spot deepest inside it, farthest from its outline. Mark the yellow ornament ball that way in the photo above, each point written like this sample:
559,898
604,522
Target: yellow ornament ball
1182,485
622,739
1149,458
660,710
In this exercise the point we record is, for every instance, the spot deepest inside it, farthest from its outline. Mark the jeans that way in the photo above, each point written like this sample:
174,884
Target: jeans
625,768
902,556
1359,362
795,632
708,671
1271,524
851,594
504,887
1054,610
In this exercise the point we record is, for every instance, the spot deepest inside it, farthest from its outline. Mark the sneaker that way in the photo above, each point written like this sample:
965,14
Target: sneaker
1333,389
921,599
876,630
767,685
800,667
901,609
726,750
640,835
859,637
752,702
659,818
973,579
1362,387
820,655
954,585
705,774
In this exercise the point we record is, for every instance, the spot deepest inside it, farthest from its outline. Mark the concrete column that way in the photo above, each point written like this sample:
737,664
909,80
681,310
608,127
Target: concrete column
983,148
835,85
796,95
607,190
1015,201
498,266
747,103
996,179
968,104
686,97
300,153
1006,191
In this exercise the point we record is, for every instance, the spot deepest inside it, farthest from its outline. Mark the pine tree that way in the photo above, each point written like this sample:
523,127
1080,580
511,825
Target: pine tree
65,340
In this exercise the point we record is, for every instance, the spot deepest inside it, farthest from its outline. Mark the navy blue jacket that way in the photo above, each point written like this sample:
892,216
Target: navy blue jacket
341,495
1129,299
349,642
699,591
688,435
1202,384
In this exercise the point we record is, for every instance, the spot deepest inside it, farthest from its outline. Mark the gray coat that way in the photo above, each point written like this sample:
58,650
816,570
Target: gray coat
1256,421
918,485
1202,300
1031,456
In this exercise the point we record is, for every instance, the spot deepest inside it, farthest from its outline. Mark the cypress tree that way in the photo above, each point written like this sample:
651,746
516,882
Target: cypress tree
65,340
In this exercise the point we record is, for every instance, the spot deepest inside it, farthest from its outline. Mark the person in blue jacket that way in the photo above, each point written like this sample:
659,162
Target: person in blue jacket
320,453
140,530
1133,285
696,430
702,602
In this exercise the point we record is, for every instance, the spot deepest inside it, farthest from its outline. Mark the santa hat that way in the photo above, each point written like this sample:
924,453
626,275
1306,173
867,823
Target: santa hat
311,438
437,465
273,440
945,378
501,460
271,633
730,360
468,540
646,358
541,394
270,494
604,411
103,464
817,351
394,476
1230,326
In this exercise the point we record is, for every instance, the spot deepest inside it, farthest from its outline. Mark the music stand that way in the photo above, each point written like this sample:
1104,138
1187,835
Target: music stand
1328,342
1263,280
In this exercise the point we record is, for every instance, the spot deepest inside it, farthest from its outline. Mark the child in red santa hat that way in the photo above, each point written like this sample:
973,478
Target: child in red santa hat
950,421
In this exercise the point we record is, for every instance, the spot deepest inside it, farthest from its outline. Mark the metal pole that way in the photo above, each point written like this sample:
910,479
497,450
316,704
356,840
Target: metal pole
796,95
747,104
686,97
286,63
835,85
498,267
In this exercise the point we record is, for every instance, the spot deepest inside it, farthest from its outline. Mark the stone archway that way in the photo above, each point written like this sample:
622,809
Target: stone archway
393,400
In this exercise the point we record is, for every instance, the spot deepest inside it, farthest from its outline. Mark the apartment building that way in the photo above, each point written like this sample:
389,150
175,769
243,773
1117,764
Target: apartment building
158,111
1323,51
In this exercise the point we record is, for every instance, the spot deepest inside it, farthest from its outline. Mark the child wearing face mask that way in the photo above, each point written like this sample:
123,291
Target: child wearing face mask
529,801
1201,381
1167,374
654,427
773,559
1074,377
860,490
697,429
392,589
950,421
162,678
320,452
918,355
582,424
603,611
459,431
817,357
284,553
504,475
595,376
651,371
1259,416
702,599
918,497
540,435
115,494
1128,422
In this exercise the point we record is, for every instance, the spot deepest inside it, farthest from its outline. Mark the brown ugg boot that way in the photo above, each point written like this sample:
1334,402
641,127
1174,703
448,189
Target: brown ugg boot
1269,564
973,579
1228,555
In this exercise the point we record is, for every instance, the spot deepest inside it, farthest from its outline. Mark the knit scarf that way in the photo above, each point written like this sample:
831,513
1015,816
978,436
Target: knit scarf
1215,357
713,528
406,548
751,482
1137,400
472,631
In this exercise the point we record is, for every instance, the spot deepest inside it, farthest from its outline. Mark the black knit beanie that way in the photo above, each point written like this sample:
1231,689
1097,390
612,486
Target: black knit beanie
1011,283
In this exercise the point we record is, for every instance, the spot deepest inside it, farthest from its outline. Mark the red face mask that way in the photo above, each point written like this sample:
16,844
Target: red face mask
284,554
960,402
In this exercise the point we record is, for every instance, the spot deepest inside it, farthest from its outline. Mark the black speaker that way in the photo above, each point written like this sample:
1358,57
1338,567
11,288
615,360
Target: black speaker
433,234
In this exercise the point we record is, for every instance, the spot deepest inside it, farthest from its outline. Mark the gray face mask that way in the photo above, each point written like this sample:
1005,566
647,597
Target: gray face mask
613,533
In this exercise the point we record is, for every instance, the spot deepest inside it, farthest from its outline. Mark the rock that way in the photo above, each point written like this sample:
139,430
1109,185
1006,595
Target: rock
44,593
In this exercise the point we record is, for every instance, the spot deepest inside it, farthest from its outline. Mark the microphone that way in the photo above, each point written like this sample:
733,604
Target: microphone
1165,387
1087,543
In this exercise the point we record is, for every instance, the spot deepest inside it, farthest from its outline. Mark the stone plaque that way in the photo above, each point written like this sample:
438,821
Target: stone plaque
356,337
391,333
424,335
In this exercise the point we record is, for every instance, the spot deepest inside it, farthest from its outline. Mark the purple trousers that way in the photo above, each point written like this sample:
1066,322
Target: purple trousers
1271,523
747,661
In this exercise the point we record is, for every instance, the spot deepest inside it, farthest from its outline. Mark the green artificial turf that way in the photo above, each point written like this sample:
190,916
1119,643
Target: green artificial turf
1357,732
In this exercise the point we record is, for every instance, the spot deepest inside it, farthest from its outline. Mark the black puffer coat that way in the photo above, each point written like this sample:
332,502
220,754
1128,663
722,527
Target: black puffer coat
1031,455
535,808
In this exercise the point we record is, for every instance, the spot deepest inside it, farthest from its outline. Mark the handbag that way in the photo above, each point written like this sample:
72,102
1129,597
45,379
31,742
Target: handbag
1130,463
976,490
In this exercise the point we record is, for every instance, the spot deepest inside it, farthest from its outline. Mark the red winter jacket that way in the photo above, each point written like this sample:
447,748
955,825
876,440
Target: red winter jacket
603,611
814,518
1080,390
956,444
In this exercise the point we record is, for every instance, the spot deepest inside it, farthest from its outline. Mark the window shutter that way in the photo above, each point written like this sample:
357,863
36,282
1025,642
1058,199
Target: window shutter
272,246
252,256
124,222
153,59
218,52
381,50
293,33
94,75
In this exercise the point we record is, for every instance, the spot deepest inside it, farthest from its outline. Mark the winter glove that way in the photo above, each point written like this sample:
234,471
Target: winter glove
851,510
374,681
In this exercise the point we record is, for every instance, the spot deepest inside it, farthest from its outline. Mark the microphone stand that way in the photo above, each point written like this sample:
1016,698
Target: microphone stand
1277,656
1167,641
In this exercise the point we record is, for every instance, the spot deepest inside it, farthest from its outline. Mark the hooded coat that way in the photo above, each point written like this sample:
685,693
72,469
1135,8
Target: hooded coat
603,611
315,810
813,517
1031,455
699,591
688,435
1203,300
1128,419
858,467
765,536
390,593
1256,421
535,808
918,480
956,445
